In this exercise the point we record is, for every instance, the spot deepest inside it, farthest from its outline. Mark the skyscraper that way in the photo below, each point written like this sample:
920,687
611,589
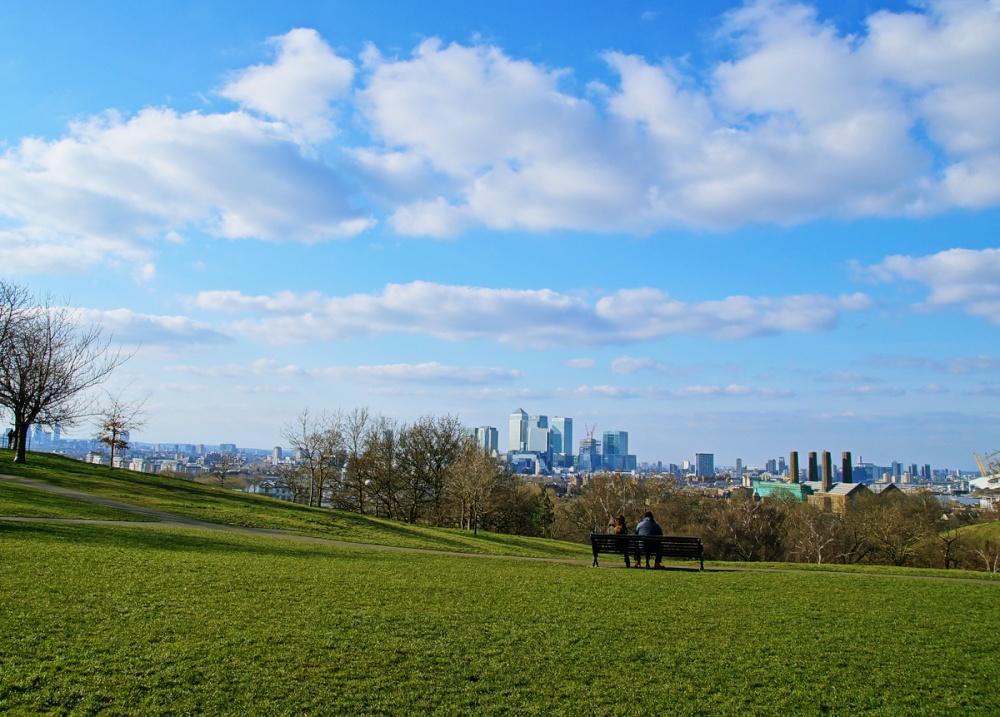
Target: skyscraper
615,450
562,440
704,465
518,431
487,438
590,456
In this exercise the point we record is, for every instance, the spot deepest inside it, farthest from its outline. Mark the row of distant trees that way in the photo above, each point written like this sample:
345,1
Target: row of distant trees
426,472
430,472
49,362
890,529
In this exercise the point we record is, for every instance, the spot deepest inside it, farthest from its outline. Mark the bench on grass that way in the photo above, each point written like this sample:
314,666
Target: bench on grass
668,546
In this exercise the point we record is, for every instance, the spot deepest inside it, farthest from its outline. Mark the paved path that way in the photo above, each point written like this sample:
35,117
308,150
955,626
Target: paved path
171,520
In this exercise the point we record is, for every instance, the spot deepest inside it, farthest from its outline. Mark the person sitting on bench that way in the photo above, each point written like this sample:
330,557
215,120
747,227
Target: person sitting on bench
648,526
620,528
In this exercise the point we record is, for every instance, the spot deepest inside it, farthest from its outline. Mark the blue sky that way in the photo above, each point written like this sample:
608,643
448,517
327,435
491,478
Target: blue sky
733,228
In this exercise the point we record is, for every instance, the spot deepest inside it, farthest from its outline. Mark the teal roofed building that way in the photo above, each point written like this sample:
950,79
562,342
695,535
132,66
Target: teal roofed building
781,489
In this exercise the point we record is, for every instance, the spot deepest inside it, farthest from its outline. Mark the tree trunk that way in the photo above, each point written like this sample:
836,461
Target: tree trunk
22,441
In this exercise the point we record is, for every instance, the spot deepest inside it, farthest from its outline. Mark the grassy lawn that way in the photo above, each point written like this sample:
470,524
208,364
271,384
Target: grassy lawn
221,505
21,502
130,620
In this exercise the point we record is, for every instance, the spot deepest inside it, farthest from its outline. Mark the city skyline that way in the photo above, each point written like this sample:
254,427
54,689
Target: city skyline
738,228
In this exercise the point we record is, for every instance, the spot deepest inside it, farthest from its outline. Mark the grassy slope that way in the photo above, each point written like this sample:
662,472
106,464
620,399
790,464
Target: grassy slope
984,531
220,505
21,502
128,620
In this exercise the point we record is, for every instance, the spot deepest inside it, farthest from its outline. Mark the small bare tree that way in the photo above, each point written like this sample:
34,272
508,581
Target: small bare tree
319,448
116,419
48,363
223,466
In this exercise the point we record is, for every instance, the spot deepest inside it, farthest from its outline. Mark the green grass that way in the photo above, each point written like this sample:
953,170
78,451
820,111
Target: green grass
98,619
881,570
984,531
21,502
221,505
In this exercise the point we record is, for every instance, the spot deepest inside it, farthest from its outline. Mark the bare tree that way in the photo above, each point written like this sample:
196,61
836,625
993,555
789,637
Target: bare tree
355,428
385,479
14,301
989,553
223,466
48,363
474,475
751,530
605,496
319,449
813,534
116,419
427,449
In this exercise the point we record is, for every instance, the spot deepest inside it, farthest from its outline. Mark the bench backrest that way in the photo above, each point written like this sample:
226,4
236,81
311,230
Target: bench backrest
678,545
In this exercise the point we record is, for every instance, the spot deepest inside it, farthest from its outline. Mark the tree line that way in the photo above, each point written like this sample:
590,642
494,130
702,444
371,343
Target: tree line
894,528
426,472
430,472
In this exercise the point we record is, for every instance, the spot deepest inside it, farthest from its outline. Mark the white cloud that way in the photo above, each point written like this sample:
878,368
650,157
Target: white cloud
946,57
973,364
958,365
800,121
424,373
967,279
254,390
848,377
580,363
733,390
522,317
298,86
258,368
868,391
130,327
631,364
432,373
114,184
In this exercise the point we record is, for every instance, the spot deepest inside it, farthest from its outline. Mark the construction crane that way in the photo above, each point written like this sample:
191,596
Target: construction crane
989,464
589,431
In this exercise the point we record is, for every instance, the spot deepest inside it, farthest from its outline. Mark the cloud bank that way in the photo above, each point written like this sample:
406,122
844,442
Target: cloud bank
966,279
536,318
799,121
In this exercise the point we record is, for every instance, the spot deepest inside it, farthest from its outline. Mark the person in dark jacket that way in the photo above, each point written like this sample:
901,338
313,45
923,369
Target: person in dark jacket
648,526
619,527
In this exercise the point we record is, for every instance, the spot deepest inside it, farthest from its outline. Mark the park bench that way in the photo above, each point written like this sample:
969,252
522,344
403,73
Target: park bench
669,546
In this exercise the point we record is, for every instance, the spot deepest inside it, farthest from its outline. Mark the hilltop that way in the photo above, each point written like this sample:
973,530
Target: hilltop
213,504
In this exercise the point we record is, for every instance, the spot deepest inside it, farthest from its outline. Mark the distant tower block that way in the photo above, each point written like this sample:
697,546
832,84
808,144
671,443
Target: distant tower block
793,466
845,467
813,468
827,472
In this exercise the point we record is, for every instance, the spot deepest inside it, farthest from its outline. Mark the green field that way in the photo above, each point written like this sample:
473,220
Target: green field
221,505
116,619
